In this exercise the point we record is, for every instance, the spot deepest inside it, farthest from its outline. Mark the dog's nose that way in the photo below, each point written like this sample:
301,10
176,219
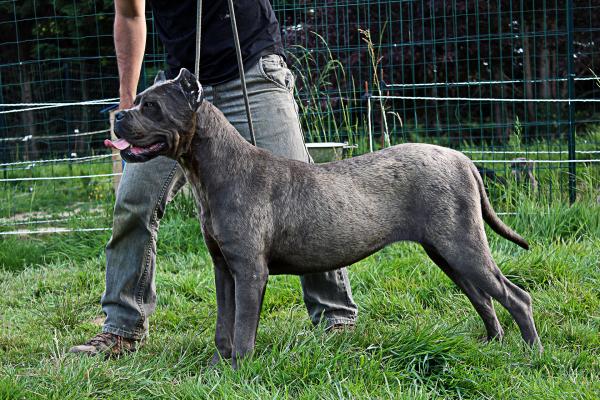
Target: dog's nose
118,119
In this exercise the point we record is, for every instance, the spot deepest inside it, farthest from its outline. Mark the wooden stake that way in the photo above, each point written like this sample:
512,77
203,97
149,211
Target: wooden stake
117,163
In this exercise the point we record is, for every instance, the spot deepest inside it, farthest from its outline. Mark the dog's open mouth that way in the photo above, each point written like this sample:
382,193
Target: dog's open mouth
131,153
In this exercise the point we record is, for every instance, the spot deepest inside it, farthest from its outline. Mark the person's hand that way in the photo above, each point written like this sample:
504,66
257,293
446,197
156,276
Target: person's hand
125,103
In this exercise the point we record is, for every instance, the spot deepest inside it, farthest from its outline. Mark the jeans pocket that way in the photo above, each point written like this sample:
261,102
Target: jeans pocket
273,68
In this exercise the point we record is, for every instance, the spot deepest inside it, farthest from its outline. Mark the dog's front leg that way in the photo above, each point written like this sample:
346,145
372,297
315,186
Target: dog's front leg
225,311
250,282
225,299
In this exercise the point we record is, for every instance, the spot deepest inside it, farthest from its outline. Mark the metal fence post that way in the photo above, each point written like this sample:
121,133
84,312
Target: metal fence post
571,105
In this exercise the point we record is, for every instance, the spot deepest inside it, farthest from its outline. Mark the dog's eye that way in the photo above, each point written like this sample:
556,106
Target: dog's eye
149,104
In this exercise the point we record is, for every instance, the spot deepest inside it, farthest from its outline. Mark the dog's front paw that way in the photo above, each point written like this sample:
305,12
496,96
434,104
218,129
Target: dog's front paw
218,358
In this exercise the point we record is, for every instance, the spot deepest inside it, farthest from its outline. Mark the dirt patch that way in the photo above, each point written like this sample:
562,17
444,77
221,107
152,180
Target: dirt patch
43,216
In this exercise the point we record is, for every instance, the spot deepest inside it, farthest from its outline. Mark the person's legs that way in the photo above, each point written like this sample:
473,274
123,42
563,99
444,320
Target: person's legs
130,295
277,128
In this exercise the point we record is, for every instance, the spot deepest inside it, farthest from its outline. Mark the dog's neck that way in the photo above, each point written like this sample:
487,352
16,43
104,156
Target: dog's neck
215,145
184,143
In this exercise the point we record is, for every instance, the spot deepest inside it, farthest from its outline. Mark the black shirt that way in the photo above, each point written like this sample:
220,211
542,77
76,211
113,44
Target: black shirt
258,30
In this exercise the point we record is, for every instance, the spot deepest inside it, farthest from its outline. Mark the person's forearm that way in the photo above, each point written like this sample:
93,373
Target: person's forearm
130,43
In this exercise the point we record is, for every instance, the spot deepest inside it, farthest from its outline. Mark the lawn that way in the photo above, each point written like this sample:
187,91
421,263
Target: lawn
417,336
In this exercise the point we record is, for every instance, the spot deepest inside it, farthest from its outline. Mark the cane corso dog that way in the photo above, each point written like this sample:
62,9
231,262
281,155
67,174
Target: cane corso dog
262,214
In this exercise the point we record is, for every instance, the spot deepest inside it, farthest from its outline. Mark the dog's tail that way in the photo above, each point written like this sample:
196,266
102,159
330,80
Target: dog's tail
489,215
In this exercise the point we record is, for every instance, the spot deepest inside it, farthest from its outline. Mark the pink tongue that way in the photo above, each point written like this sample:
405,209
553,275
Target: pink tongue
120,144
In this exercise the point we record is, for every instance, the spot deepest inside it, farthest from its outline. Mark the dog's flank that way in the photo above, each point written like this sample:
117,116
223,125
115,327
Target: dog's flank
263,214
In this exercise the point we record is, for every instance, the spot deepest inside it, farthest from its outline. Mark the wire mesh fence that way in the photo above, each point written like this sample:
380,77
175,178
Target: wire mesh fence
511,83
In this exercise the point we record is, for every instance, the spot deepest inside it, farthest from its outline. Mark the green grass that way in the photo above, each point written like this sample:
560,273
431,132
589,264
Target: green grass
417,336
48,198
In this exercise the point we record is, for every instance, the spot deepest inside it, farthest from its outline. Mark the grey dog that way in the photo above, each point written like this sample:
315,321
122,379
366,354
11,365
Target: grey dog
263,214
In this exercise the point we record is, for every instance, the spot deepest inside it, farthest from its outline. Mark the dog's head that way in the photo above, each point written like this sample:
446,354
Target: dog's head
162,121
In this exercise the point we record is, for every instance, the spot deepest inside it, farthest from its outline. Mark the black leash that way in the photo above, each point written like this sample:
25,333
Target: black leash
238,51
198,38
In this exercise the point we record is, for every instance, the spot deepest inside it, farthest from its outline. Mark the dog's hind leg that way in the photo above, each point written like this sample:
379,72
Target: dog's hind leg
472,262
480,300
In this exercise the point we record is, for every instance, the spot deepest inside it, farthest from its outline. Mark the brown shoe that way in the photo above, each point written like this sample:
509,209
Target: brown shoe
109,344
342,327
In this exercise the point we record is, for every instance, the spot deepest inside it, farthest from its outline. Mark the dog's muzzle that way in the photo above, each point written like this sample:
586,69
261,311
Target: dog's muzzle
131,152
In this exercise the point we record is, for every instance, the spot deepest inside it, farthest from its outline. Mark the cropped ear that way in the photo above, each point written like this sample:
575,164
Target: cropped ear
191,88
160,77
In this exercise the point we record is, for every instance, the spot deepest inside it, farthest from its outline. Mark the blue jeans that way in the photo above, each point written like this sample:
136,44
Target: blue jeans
146,189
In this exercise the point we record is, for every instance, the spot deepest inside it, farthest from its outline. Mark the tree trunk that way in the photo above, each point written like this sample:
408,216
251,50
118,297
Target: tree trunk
28,120
83,142
528,74
500,114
